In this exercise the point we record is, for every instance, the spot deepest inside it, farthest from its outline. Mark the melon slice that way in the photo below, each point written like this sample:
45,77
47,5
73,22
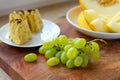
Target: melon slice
106,7
114,24
82,22
99,25
90,15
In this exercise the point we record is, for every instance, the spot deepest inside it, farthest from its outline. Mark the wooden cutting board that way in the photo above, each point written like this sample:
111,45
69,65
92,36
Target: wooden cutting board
108,68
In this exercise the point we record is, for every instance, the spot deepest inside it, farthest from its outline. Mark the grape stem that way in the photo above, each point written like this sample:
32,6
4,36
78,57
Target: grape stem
94,40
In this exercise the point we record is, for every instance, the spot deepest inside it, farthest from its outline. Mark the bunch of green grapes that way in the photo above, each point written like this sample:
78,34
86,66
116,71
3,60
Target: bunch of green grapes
71,52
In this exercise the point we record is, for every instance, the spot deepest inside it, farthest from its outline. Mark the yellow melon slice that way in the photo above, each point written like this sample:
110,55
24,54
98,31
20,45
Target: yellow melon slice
106,7
90,15
82,22
114,24
99,25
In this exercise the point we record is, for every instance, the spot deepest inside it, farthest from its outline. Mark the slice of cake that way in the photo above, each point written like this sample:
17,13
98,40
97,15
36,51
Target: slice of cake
19,31
34,20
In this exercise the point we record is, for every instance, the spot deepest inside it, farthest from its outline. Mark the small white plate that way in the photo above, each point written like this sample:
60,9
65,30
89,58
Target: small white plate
49,31
72,15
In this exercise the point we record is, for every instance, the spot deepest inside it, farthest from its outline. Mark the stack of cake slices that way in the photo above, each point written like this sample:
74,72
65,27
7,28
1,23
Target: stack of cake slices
23,24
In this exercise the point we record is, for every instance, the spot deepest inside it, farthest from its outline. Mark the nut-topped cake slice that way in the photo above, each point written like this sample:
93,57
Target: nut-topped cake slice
19,31
34,20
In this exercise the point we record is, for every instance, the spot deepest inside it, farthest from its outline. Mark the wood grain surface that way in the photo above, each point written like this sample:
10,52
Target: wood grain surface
108,68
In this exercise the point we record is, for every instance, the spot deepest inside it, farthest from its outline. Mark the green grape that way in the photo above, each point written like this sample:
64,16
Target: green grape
56,41
78,61
53,61
95,50
86,49
72,53
63,58
67,47
70,40
50,53
94,46
73,40
48,44
42,50
63,40
58,54
31,57
95,54
70,63
79,43
85,60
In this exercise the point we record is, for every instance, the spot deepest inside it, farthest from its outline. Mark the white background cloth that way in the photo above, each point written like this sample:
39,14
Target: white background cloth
7,6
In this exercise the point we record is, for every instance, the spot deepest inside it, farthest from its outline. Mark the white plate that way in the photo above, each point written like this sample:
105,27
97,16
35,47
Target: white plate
72,15
49,31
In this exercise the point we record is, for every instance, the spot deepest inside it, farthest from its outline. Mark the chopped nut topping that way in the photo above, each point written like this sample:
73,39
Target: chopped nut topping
18,20
106,3
20,11
31,10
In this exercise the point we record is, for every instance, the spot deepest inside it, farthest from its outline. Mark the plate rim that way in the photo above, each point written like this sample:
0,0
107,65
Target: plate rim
29,46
